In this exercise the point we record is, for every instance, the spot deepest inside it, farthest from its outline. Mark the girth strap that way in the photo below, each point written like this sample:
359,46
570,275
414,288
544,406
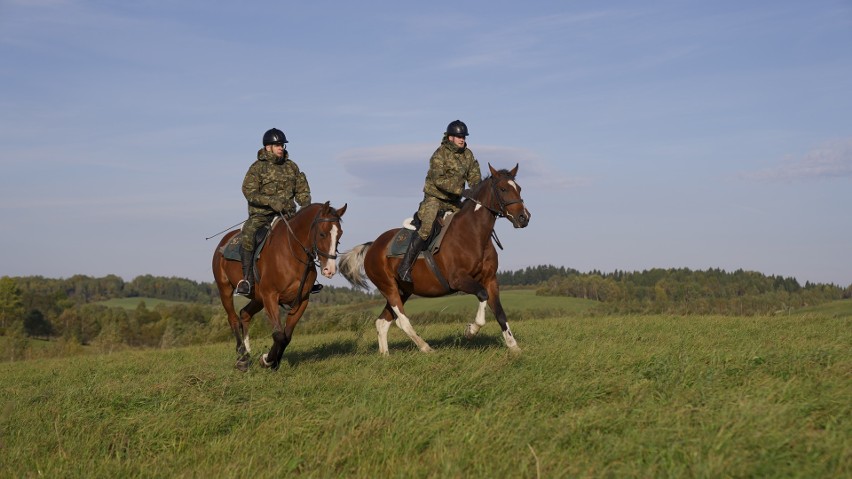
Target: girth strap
430,260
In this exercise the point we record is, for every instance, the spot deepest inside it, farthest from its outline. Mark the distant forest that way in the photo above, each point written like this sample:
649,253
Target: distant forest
38,307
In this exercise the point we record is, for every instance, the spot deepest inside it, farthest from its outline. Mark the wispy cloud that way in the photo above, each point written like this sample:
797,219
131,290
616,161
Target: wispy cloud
832,160
399,170
521,44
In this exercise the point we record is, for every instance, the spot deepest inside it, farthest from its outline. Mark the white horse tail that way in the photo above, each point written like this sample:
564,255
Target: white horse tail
351,265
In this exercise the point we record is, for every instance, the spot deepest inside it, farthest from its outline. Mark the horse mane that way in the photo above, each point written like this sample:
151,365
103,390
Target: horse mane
475,190
331,210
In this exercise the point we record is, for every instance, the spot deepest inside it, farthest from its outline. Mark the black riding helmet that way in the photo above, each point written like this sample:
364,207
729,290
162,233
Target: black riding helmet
274,137
457,128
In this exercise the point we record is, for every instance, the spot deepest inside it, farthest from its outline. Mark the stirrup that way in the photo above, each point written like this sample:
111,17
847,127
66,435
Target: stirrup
243,288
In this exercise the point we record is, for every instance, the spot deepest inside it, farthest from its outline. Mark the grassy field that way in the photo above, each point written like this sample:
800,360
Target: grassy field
652,396
512,300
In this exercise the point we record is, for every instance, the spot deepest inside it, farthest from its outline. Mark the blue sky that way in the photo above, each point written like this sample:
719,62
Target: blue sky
649,134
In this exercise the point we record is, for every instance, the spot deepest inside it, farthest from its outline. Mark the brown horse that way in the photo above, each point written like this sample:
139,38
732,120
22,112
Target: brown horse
467,261
287,270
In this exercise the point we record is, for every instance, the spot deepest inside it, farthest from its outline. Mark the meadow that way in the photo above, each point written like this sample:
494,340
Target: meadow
609,396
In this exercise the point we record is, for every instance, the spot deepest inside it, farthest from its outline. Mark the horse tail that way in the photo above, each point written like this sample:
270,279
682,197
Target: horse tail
351,265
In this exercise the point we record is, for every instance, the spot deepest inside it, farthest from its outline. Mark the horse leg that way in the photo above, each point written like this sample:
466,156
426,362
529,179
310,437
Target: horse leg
226,296
292,318
473,328
471,286
272,359
248,312
500,315
241,331
383,324
405,325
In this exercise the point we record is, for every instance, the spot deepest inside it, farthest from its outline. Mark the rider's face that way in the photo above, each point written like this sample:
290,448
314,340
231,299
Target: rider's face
277,150
457,140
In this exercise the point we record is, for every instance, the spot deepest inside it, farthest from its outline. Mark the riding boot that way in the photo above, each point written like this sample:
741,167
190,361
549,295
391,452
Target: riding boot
403,273
244,286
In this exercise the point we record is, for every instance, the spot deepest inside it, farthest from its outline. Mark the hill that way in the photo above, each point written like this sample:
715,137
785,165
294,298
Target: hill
612,396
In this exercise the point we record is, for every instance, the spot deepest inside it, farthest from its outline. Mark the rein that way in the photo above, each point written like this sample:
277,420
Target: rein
500,213
497,213
311,254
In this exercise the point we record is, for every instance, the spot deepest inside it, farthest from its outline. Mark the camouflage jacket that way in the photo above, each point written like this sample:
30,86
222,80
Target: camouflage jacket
449,168
269,178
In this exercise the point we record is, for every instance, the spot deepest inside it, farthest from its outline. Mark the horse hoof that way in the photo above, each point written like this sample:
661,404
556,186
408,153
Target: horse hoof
243,363
468,332
269,365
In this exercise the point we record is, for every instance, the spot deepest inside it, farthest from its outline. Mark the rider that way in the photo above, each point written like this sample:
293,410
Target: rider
273,184
450,166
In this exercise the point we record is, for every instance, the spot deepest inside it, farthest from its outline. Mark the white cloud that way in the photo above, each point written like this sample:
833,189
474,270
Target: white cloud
832,160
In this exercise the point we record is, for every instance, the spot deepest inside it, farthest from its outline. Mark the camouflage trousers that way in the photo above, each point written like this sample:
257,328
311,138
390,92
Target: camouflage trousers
428,210
250,227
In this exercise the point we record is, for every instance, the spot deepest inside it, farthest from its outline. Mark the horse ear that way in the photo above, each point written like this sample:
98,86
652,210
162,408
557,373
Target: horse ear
491,168
514,170
342,210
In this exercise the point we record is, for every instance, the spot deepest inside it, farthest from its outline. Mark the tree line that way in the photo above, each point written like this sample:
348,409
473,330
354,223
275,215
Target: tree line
684,291
69,309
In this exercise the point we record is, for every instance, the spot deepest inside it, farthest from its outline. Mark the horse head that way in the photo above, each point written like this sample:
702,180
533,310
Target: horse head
501,194
326,232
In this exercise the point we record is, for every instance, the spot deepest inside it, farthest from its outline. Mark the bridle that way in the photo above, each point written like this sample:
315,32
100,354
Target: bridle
311,253
502,204
314,251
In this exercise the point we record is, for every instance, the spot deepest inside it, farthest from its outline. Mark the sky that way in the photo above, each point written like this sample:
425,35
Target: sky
659,134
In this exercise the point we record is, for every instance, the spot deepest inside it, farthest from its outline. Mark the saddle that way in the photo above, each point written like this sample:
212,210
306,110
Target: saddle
231,249
399,243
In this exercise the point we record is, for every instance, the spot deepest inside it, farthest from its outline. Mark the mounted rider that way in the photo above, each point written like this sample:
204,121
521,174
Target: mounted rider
451,165
272,185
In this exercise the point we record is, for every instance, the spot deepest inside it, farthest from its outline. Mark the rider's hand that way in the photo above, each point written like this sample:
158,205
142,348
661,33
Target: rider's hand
277,205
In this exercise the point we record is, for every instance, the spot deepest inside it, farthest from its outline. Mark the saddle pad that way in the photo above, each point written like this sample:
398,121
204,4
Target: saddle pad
400,241
231,249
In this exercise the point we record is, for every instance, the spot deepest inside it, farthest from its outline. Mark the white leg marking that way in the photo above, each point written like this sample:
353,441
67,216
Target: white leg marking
405,325
382,328
473,328
510,340
246,343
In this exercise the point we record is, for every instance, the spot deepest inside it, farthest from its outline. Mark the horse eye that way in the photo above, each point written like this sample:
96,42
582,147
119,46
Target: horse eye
322,235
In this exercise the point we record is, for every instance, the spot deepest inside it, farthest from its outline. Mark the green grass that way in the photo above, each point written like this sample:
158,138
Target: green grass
622,396
512,299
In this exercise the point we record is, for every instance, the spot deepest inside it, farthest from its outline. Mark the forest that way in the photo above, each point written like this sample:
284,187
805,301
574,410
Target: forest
71,310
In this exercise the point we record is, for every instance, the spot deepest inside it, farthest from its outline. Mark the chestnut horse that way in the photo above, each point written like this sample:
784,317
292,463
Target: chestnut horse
287,270
467,260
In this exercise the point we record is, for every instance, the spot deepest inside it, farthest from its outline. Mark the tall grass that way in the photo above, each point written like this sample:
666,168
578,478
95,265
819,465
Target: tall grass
589,397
